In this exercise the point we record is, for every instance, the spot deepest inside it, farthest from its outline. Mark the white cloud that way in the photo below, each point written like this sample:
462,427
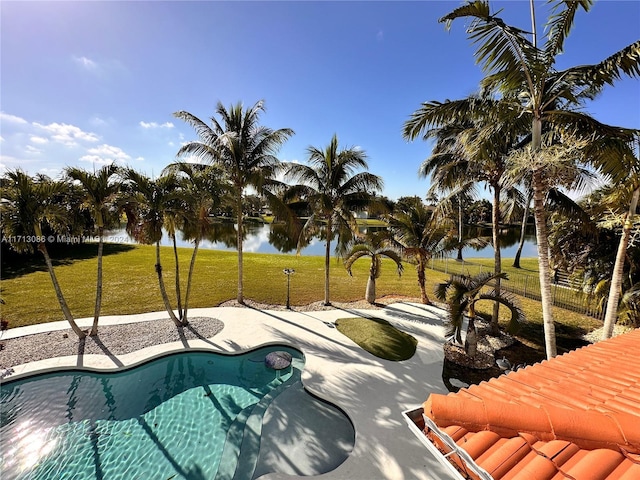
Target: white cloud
51,172
98,122
139,159
6,117
33,150
105,155
380,35
86,63
171,144
13,162
40,140
1,139
67,134
156,125
96,159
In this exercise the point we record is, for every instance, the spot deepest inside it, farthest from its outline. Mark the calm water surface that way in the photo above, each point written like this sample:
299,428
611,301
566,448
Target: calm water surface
265,238
174,417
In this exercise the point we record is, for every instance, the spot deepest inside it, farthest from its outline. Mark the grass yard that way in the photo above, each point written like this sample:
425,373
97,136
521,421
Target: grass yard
131,286
472,266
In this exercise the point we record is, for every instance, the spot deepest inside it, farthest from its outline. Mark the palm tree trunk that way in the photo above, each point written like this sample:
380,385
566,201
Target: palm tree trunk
471,339
618,269
370,293
178,292
163,290
497,256
421,267
543,265
544,270
56,286
327,258
239,238
460,228
191,267
96,311
523,230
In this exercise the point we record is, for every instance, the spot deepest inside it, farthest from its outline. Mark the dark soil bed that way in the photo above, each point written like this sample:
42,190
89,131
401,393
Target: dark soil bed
517,354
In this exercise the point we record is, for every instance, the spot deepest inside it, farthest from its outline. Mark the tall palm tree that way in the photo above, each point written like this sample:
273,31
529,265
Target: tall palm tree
244,150
100,190
333,191
549,99
147,203
421,237
468,151
376,246
461,293
629,191
201,192
28,206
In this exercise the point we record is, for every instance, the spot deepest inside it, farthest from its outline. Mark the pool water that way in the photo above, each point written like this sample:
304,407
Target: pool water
194,415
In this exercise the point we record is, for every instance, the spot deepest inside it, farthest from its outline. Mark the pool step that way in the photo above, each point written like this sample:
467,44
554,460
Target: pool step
250,448
242,446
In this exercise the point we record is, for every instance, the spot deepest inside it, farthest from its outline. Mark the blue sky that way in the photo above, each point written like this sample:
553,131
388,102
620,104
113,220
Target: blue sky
84,83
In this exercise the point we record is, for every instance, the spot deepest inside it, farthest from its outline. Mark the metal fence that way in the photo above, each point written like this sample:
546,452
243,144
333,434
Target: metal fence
565,293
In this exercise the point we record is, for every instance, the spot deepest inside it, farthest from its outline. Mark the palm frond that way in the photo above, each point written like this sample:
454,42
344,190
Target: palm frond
357,251
508,300
503,49
559,25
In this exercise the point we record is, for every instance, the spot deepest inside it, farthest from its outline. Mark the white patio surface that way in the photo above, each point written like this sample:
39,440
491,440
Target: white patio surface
373,392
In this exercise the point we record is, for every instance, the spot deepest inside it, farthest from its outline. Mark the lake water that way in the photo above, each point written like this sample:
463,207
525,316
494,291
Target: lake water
265,238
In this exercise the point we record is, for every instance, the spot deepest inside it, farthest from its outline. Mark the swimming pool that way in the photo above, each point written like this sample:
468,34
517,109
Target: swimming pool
194,415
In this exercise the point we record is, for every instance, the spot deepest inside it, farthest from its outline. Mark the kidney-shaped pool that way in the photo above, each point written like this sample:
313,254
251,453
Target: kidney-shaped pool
194,415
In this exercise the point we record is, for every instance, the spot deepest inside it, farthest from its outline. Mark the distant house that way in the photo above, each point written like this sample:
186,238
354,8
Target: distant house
575,417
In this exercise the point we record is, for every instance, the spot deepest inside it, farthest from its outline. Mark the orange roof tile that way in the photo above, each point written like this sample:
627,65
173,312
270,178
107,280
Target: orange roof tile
576,417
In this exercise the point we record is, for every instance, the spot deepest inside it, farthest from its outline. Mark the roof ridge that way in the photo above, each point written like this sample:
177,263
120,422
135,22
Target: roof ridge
588,429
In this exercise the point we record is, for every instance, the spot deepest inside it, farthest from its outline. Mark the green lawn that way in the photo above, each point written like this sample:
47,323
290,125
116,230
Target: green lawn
472,266
131,286
378,337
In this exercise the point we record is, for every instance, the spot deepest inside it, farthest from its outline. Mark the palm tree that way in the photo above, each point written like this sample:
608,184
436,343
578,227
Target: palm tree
468,151
630,191
201,191
528,194
244,150
420,236
549,98
100,190
148,203
376,246
27,207
333,192
461,293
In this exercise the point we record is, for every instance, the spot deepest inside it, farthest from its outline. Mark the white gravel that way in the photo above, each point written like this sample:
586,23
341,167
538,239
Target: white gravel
114,339
596,335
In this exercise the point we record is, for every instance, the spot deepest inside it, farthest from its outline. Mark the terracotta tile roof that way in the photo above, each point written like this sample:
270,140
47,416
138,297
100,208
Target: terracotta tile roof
575,417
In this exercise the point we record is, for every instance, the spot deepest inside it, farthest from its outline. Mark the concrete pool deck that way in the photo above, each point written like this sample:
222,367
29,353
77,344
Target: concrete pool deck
373,392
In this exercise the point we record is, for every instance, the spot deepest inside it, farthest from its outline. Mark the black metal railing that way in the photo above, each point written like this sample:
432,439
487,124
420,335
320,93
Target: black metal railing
565,292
